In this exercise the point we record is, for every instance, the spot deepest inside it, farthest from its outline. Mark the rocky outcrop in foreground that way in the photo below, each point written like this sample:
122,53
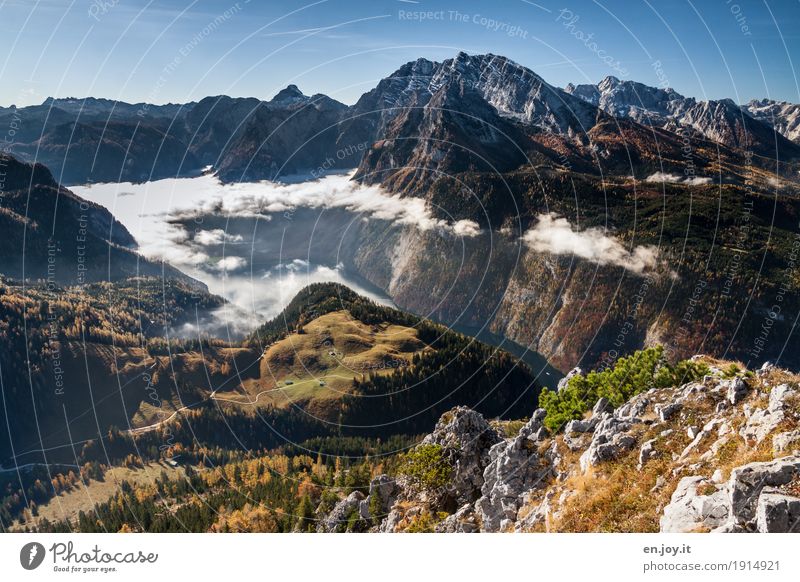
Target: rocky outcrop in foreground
718,455
756,497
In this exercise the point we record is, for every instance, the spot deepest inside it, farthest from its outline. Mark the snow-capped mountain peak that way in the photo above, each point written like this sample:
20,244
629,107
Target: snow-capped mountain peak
783,116
721,120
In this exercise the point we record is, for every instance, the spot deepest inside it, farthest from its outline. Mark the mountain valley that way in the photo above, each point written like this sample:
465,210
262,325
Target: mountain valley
197,303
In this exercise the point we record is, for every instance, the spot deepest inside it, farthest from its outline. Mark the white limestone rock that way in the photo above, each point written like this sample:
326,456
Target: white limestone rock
786,441
564,382
691,510
515,467
777,512
666,412
609,441
336,520
736,390
765,420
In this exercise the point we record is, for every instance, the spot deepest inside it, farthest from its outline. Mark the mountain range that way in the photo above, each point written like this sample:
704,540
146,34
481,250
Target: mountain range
574,200
507,114
583,224
764,130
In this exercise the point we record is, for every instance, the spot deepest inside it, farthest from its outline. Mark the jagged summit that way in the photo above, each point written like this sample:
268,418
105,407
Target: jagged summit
513,90
610,81
783,116
722,121
291,94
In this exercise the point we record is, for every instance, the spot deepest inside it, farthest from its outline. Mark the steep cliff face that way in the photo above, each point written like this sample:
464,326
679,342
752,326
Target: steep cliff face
452,132
433,121
705,278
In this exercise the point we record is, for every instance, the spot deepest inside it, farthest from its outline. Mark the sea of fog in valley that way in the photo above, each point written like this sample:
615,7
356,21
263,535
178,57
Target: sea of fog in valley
215,232
258,244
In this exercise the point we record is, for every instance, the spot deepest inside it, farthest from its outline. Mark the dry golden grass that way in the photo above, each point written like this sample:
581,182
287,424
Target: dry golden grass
618,497
614,497
778,376
321,363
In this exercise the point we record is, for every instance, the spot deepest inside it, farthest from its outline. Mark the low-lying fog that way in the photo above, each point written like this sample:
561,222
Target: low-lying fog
255,244
258,244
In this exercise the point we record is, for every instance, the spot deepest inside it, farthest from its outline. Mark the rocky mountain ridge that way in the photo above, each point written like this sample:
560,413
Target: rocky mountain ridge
721,454
489,97
721,121
783,116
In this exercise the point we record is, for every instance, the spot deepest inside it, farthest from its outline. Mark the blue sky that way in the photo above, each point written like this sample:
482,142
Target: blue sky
180,50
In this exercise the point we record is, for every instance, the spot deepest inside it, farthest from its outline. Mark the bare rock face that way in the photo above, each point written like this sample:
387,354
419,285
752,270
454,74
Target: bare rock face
466,439
610,440
751,500
601,406
634,407
366,509
786,441
710,427
666,412
723,121
736,390
526,483
384,487
337,519
577,426
691,510
382,492
464,520
783,116
646,452
564,382
515,468
747,482
777,512
765,420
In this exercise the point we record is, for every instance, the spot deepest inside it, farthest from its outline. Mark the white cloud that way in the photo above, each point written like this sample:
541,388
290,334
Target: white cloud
227,264
217,236
172,246
294,266
557,236
151,208
262,199
676,179
468,228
